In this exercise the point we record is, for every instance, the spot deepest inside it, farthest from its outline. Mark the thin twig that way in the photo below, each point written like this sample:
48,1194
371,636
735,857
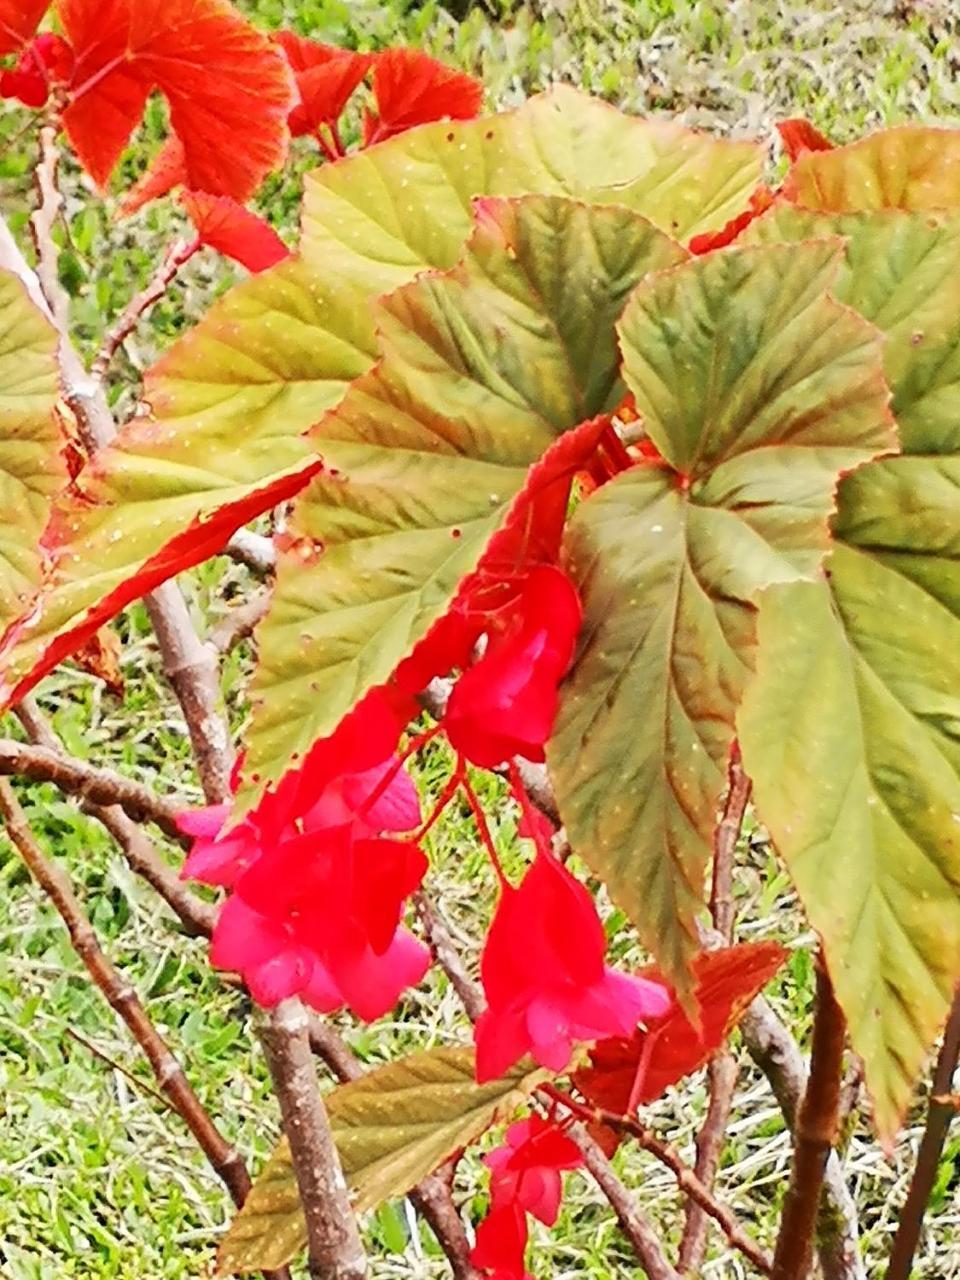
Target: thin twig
447,957
254,550
939,1116
722,1072
335,1249
88,782
634,1224
179,253
223,1157
814,1135
239,622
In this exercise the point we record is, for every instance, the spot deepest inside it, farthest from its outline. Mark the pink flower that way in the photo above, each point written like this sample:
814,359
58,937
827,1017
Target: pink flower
505,704
502,1243
526,1171
545,980
327,909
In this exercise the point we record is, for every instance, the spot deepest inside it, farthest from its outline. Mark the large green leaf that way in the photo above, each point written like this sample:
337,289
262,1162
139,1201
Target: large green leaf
392,1127
849,732
911,167
758,390
484,367
231,400
892,639
31,468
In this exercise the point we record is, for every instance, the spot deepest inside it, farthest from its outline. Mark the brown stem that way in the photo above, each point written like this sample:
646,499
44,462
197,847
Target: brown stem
722,1072
254,550
634,1224
179,253
447,957
224,1158
88,782
191,667
433,1199
814,1135
335,1249
939,1115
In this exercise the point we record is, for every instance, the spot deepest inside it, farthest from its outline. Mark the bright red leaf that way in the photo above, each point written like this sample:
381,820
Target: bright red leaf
411,88
326,77
799,135
234,231
19,19
228,87
726,982
167,169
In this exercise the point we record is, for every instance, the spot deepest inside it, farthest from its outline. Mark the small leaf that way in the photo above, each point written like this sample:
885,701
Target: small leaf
392,1127
167,169
228,86
326,77
725,983
758,391
411,88
910,167
234,231
799,135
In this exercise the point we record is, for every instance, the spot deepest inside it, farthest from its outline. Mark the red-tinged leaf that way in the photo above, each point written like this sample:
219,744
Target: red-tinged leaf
19,19
228,86
726,982
760,202
799,135
326,77
56,627
100,656
411,89
234,231
167,169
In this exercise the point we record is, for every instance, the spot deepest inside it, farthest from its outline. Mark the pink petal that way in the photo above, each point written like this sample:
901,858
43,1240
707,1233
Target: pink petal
203,822
372,984
502,1039
242,937
550,1034
284,975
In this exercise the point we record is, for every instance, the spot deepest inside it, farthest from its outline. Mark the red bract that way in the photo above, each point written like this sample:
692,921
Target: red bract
727,981
548,987
799,135
228,87
411,88
47,61
167,170
760,201
525,1171
505,704
502,1244
234,231
326,77
19,19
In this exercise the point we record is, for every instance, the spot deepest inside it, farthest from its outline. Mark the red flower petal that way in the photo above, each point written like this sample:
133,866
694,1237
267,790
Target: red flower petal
228,86
234,231
411,88
326,77
502,1243
799,135
19,19
167,169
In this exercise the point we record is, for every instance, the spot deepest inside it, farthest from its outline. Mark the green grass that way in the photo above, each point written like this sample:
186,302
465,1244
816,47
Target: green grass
97,1179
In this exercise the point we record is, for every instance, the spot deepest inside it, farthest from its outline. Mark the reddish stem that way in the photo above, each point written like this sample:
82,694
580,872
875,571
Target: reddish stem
483,830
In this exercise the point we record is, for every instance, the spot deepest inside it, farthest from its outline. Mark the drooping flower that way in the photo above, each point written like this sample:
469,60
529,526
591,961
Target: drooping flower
526,1170
545,979
502,1244
505,703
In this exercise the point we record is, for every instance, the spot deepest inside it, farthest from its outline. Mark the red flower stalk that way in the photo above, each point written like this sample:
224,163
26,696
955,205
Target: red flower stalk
505,704
544,976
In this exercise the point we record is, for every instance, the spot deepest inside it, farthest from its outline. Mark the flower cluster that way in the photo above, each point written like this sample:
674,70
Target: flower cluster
318,884
524,1178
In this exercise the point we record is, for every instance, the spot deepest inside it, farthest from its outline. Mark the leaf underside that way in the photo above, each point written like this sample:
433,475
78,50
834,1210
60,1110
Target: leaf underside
857,779
758,390
392,1127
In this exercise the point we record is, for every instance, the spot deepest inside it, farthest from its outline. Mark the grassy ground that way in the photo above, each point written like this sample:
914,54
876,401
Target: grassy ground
96,1179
